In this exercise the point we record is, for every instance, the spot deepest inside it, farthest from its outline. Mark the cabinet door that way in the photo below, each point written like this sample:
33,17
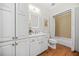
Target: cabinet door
34,46
44,43
6,22
22,8
21,21
7,49
40,39
22,47
7,6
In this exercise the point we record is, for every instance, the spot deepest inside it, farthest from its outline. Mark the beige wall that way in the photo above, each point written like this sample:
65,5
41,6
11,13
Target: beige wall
63,25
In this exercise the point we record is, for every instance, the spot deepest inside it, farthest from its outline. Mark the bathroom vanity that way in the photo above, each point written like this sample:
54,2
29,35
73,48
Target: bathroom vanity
38,43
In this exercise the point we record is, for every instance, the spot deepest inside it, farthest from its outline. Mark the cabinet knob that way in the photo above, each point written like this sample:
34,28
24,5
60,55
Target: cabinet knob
16,43
14,38
13,44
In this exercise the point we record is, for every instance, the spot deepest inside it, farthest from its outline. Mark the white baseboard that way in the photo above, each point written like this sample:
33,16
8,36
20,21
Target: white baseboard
64,41
52,46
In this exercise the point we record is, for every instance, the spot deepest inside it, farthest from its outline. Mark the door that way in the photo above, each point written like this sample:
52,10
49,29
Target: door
6,21
22,47
21,20
7,49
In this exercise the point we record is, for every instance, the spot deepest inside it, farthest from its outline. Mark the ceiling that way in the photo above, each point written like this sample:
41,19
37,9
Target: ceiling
48,6
58,7
43,5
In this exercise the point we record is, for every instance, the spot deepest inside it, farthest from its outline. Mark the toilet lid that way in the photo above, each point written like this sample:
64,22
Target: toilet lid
52,40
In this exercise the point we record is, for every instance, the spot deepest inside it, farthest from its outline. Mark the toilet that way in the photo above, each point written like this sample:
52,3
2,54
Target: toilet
52,43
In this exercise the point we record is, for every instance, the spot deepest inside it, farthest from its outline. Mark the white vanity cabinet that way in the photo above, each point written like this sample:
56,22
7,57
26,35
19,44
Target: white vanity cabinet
7,49
34,46
38,44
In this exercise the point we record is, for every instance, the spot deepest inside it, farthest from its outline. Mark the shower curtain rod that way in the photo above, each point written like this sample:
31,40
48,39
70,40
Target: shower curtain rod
62,13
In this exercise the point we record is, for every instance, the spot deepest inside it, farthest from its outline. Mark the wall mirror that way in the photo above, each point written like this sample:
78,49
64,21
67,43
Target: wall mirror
34,20
34,14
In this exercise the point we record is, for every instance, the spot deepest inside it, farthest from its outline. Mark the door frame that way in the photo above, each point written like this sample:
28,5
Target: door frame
72,27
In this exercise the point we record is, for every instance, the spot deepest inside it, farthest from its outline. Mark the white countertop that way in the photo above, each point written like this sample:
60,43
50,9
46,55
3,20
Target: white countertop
39,34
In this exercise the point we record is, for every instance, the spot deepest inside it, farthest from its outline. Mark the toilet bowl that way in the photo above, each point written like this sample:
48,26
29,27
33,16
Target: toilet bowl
52,43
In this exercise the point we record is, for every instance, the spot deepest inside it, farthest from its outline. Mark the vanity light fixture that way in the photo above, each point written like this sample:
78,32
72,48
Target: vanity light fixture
34,8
